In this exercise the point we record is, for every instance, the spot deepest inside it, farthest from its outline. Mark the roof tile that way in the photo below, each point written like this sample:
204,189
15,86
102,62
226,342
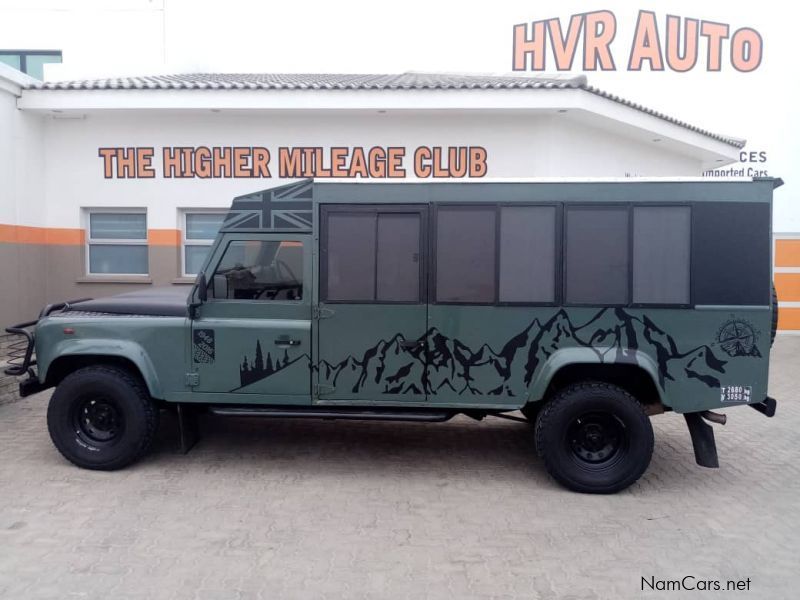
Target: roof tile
339,81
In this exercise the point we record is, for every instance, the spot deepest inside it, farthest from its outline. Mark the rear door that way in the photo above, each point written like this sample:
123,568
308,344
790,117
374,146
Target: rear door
373,303
252,339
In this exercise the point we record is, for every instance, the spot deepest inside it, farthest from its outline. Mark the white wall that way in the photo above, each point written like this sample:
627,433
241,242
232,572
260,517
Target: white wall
22,162
517,146
22,200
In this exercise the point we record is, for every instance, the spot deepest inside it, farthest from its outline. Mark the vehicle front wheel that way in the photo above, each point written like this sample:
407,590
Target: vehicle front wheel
102,418
594,437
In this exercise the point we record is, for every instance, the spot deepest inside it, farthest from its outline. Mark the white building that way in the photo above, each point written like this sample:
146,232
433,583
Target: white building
114,183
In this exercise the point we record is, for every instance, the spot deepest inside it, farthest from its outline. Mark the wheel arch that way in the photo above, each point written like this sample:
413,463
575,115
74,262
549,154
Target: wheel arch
635,372
127,355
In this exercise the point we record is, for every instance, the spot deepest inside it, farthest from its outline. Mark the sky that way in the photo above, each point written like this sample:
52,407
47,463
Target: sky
135,37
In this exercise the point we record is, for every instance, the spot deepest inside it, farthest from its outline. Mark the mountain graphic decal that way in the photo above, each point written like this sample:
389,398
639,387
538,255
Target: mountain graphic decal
439,362
258,368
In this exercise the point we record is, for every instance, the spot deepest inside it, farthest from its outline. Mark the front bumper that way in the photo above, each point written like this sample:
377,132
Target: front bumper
31,385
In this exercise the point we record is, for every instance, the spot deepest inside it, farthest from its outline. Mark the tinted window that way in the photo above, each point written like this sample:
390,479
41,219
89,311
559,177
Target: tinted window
661,254
351,256
597,255
398,257
465,254
373,256
259,270
527,254
731,253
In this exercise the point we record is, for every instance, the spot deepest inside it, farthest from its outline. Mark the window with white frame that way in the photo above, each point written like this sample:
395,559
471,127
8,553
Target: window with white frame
117,242
198,232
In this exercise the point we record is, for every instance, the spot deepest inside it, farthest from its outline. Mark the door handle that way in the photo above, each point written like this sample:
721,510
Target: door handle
411,345
287,342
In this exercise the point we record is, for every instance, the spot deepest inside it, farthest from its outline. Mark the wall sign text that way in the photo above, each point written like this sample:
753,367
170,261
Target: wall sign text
215,162
670,44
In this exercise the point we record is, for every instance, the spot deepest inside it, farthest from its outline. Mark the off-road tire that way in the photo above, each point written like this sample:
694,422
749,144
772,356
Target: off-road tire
562,423
129,430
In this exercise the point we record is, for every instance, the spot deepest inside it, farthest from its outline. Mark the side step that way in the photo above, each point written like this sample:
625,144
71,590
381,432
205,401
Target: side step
356,414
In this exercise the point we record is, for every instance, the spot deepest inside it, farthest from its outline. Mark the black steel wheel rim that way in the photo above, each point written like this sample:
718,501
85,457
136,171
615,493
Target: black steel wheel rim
98,420
597,439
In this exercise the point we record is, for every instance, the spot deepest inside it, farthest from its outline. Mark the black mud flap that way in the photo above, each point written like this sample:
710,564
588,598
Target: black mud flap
187,426
705,448
766,407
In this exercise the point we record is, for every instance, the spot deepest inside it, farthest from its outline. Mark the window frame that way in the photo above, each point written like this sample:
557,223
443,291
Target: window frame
429,249
629,252
376,209
497,206
185,212
222,250
90,241
629,206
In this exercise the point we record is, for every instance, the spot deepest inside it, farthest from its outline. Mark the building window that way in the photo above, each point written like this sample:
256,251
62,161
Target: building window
259,270
30,62
597,255
373,255
117,243
661,250
198,232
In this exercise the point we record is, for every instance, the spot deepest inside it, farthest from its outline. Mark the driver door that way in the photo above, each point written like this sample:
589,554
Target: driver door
251,339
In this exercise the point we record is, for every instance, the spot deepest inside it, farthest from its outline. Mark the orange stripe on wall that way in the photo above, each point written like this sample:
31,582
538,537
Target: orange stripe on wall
164,237
788,319
55,236
788,287
787,253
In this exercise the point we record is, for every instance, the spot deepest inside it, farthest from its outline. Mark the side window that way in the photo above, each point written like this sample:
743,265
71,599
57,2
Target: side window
465,254
528,254
350,257
661,248
259,270
596,247
731,253
372,256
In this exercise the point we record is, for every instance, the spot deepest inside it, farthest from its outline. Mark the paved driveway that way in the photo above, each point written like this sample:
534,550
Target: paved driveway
306,509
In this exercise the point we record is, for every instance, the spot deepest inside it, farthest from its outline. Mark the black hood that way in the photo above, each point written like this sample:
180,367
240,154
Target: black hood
161,301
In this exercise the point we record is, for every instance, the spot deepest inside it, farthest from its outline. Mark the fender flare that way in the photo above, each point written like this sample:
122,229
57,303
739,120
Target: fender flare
566,357
128,350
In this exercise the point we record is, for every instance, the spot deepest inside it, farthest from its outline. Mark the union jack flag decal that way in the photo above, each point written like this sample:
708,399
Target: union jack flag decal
281,208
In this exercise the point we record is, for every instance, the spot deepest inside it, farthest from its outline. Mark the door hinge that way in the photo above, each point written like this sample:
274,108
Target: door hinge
319,312
321,390
192,379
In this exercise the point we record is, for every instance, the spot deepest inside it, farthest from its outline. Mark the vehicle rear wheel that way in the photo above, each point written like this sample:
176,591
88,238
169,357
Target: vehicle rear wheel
102,418
594,437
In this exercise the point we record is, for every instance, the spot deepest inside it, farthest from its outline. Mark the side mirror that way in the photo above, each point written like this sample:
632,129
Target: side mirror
202,287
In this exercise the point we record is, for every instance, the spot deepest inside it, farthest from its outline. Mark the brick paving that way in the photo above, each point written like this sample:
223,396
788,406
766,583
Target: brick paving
307,509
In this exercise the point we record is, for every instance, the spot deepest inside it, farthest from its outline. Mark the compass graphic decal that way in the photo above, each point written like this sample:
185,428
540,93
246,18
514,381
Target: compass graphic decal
737,337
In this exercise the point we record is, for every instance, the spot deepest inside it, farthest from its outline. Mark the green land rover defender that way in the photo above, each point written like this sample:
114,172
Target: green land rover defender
589,306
